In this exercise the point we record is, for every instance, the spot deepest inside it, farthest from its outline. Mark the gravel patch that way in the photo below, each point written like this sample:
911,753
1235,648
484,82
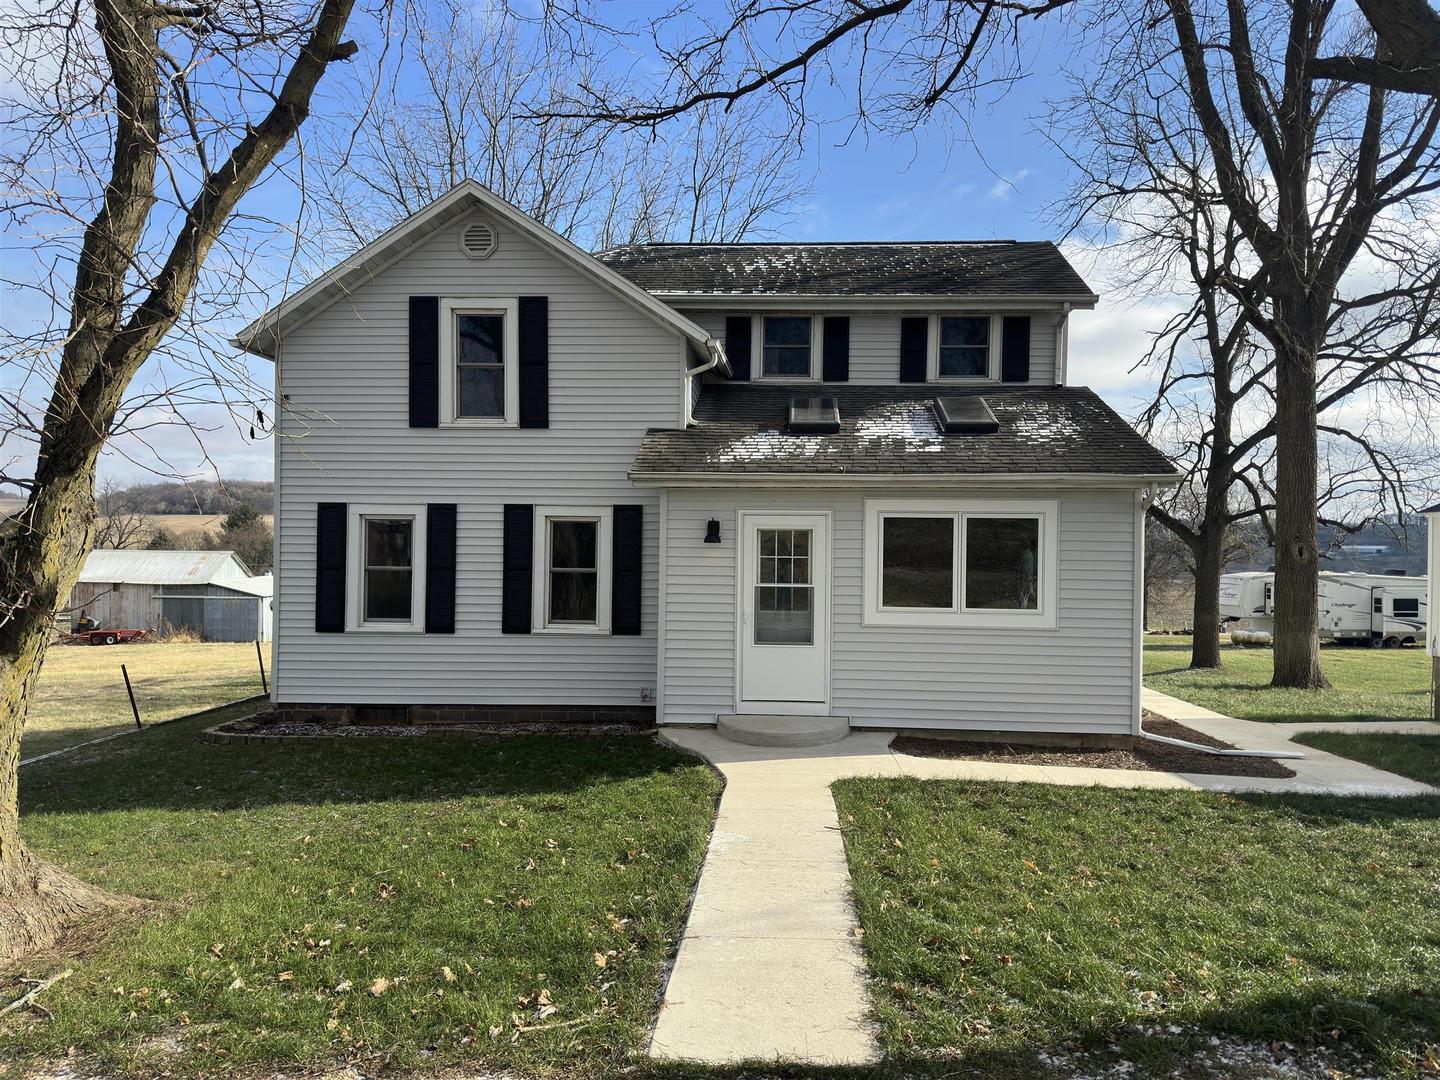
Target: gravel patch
1148,756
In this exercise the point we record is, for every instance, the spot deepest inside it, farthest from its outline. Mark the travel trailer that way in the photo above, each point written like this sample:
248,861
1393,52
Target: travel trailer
1383,609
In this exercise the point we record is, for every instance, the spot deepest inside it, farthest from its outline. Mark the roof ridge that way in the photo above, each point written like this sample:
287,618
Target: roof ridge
999,242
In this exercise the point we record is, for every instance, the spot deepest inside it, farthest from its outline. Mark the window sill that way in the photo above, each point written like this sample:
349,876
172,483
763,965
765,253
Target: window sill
572,631
385,628
476,422
968,620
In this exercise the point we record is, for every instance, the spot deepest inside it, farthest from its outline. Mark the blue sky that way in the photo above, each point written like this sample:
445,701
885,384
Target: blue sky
992,180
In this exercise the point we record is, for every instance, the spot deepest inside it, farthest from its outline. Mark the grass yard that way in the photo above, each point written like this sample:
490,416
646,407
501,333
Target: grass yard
386,902
82,694
1005,921
1366,684
1415,756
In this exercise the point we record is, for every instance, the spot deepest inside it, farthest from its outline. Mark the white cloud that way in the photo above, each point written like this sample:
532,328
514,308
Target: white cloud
1005,186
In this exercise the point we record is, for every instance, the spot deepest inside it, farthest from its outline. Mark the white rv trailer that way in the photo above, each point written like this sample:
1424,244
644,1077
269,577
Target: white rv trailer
1383,609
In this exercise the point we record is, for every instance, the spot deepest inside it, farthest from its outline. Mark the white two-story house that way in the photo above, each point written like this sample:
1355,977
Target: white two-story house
677,482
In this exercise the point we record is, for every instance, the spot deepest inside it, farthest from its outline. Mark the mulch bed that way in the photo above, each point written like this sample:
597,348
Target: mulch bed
267,724
1149,756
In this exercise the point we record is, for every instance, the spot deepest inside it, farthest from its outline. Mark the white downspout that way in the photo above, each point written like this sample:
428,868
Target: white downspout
717,357
1146,497
1062,345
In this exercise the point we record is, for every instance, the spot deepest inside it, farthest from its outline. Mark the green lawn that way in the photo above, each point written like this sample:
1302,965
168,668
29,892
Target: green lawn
1415,756
1001,921
1366,684
82,694
386,902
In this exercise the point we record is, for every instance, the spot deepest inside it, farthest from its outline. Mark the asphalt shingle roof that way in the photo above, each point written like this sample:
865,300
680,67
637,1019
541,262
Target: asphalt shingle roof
740,429
939,268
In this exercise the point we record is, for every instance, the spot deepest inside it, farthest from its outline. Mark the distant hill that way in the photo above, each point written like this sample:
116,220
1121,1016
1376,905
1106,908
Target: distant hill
200,497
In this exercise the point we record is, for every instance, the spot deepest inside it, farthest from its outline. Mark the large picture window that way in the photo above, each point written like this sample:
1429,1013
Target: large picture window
386,555
572,554
984,563
479,343
786,346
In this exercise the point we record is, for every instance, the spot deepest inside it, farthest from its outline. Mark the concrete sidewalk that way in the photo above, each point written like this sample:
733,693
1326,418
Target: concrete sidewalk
770,966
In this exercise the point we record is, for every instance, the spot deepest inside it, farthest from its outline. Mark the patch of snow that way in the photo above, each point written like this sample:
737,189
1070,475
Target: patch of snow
770,446
908,423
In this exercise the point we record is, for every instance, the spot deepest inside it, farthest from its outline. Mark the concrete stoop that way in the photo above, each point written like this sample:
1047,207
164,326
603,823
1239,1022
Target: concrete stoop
752,730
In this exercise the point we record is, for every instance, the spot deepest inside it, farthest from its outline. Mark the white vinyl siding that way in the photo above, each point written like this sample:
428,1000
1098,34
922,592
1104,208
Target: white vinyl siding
1078,677
875,343
613,373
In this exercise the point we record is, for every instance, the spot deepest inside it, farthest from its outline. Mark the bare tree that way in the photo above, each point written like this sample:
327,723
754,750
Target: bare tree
140,126
119,523
467,108
1150,183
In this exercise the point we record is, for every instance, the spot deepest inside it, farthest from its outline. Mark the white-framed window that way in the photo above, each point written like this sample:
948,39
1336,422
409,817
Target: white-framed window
386,556
572,581
988,563
964,346
786,347
479,348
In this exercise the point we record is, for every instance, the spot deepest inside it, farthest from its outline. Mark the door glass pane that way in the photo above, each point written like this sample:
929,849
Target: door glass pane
1001,556
917,562
784,595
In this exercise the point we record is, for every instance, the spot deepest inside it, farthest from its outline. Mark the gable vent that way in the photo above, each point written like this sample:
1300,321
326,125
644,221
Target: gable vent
966,416
478,240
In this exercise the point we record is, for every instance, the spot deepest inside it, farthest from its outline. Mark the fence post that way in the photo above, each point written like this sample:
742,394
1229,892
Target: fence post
260,656
131,691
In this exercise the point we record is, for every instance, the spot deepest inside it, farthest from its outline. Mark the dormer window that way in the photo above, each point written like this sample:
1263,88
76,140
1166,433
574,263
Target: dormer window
964,347
787,347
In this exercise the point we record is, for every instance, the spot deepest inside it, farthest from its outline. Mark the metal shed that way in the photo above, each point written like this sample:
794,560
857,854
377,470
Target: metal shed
209,593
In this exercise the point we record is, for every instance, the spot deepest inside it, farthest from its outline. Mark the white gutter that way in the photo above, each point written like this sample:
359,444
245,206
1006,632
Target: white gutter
1062,345
842,479
1217,751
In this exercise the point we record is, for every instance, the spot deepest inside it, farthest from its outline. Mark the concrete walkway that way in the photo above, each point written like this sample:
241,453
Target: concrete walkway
770,966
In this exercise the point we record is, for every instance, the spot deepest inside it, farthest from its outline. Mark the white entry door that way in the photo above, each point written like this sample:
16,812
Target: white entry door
785,613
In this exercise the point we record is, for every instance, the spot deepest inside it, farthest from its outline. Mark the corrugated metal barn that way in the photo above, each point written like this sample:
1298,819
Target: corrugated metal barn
209,593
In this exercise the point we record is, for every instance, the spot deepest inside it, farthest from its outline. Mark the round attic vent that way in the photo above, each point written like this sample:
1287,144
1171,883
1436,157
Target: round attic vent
478,240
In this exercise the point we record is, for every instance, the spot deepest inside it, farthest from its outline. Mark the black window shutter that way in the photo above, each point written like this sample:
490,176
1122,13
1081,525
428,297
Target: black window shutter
737,346
914,344
440,568
516,567
627,569
330,568
424,361
835,349
534,360
1015,349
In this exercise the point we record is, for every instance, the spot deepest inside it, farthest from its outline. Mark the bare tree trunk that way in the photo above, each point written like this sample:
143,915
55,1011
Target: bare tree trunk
1205,618
1297,565
41,559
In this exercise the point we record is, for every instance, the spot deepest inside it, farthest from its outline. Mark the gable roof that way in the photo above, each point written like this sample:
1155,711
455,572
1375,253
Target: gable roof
1055,432
262,336
131,566
989,268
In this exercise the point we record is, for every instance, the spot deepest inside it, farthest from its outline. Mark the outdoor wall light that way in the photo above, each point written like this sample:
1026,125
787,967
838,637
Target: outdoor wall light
712,531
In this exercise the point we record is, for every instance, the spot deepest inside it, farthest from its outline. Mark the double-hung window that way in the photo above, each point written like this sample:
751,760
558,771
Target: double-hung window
572,589
787,347
963,347
387,551
981,563
479,343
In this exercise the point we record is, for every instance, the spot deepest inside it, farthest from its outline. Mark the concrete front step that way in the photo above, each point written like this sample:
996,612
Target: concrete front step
755,730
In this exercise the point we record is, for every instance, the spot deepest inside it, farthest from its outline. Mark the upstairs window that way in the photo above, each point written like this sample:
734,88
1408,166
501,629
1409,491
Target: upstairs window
963,349
479,365
786,346
479,343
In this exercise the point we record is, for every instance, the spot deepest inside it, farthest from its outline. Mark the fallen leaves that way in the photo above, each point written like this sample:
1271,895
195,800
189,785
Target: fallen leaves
379,986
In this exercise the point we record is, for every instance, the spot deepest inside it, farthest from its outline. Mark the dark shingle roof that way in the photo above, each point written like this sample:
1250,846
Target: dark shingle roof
939,268
740,429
